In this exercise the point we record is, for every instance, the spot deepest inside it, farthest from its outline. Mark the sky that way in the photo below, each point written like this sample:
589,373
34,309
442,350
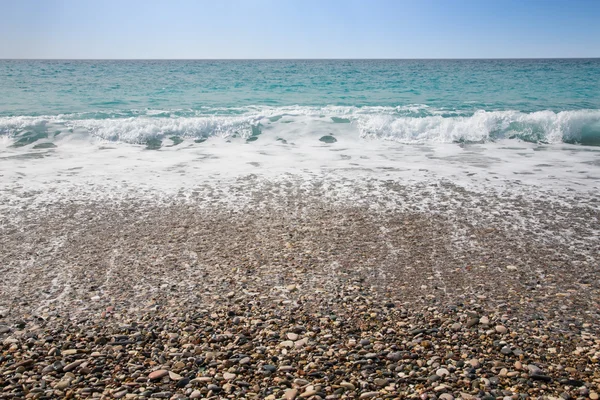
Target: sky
250,29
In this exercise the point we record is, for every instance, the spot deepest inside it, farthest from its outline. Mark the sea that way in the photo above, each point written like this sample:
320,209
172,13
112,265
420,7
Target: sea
510,120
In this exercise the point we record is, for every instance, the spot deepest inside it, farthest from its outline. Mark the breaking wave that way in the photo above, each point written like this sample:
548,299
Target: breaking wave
413,124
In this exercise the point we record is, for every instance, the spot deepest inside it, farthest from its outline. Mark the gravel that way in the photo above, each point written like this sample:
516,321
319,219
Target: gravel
309,300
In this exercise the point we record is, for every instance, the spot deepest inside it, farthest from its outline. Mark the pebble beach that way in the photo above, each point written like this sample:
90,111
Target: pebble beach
299,290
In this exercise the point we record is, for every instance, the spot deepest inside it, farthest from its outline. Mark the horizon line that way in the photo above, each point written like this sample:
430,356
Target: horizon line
300,59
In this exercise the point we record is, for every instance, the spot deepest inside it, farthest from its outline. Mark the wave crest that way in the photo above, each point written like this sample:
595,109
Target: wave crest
408,124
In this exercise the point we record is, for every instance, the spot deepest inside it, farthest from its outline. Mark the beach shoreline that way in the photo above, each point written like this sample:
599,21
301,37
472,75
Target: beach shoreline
495,295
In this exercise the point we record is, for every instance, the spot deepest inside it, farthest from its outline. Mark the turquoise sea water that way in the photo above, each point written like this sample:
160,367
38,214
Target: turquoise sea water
411,101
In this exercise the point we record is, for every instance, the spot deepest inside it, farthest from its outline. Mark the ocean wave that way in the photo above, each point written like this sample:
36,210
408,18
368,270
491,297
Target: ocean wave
407,124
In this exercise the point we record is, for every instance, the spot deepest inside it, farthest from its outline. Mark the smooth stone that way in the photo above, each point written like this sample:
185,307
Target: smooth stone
381,381
214,388
534,369
72,365
368,395
446,396
196,394
484,320
501,329
120,394
161,395
593,395
518,365
245,360
183,382
456,326
228,376
292,336
506,350
347,385
287,343
442,372
475,363
62,385
270,368
397,356
158,374
174,377
309,393
290,394
48,369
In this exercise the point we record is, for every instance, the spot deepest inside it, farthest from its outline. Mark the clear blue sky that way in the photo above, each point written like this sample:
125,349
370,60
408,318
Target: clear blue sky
299,28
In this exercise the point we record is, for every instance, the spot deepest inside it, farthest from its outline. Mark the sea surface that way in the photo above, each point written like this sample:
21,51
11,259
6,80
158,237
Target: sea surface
147,126
408,101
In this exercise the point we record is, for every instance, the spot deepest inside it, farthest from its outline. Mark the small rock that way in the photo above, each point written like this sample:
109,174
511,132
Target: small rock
174,377
368,395
228,376
442,372
158,374
534,369
61,385
120,394
381,382
501,329
518,365
270,368
214,388
72,365
308,393
292,336
290,394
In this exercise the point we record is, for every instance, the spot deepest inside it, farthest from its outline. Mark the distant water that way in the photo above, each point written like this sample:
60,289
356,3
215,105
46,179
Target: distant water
408,101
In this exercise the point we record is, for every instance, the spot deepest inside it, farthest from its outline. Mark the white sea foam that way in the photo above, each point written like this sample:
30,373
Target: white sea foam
410,124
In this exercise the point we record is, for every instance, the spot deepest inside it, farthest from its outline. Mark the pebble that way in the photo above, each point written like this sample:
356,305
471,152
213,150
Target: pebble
61,385
369,395
158,374
290,394
174,377
501,329
229,376
308,393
